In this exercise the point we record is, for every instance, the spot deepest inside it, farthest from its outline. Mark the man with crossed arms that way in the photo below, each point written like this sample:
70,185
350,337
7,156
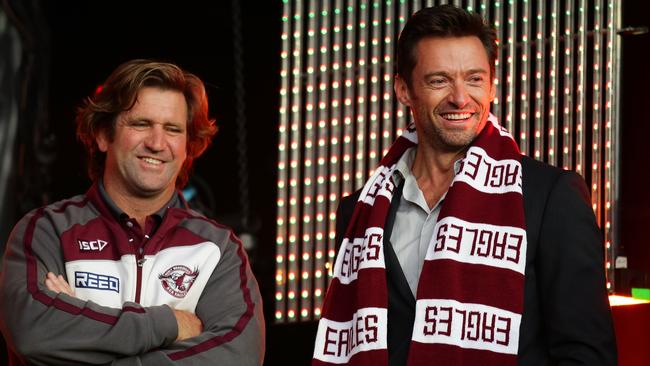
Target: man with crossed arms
128,274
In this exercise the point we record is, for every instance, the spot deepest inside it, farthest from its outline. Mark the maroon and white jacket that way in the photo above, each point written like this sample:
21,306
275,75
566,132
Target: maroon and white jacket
126,281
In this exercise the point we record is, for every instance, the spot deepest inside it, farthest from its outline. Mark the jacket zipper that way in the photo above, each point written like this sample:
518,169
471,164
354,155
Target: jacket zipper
140,262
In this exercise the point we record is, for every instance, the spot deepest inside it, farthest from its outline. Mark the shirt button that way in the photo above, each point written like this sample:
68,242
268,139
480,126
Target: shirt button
129,224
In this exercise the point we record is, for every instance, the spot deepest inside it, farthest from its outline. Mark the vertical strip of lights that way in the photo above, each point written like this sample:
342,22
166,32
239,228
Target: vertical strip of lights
553,84
295,163
611,136
540,93
471,5
324,122
375,77
496,104
403,113
390,37
567,113
596,131
350,66
362,94
336,130
524,128
309,155
283,159
510,66
581,117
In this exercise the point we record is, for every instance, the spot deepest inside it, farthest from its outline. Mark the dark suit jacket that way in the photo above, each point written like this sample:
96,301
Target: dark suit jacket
566,319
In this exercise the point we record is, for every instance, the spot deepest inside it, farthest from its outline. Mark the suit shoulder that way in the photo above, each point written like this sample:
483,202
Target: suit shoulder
537,175
539,180
346,204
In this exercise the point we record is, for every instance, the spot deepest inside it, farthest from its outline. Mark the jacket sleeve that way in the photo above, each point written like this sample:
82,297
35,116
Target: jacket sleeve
572,280
45,328
230,309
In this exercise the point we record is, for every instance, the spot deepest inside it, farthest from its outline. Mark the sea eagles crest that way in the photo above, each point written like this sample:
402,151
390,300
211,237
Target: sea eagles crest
178,279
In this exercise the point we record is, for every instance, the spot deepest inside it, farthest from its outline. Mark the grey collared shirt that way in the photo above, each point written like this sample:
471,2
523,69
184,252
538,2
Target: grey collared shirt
414,221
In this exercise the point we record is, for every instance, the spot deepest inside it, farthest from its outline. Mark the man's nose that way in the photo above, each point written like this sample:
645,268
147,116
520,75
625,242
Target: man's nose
155,140
459,96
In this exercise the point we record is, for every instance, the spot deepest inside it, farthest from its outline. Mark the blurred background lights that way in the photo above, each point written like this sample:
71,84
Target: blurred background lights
338,115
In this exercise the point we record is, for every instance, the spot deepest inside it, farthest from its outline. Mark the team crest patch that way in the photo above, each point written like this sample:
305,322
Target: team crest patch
178,279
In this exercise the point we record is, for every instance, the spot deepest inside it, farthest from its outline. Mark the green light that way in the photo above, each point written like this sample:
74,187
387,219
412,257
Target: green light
641,293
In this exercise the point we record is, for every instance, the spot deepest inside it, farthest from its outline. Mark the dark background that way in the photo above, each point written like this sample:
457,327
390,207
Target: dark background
85,40
634,164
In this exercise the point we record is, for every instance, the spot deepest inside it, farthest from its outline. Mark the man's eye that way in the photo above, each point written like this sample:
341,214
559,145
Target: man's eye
173,129
138,124
437,81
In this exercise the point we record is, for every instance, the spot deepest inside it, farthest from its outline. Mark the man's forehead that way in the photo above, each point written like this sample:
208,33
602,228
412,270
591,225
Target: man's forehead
467,52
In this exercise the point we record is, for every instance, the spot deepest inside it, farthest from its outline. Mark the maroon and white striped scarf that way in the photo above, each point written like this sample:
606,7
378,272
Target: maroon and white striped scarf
470,292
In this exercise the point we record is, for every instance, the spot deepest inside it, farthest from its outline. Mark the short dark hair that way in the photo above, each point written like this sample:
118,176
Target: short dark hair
118,94
442,21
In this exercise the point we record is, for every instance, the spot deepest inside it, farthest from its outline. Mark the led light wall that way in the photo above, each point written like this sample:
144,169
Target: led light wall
556,93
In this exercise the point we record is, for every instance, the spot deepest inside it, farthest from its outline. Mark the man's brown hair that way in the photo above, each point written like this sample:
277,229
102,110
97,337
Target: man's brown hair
119,93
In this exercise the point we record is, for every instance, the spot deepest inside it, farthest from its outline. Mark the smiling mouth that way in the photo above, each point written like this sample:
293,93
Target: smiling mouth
456,116
151,160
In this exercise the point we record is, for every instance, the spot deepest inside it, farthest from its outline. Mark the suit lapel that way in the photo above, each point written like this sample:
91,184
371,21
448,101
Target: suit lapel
394,275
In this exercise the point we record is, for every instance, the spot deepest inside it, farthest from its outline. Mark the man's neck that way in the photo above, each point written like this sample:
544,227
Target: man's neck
138,207
434,172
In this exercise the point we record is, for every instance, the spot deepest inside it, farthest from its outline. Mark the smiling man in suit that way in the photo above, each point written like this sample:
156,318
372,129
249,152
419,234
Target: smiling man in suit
459,250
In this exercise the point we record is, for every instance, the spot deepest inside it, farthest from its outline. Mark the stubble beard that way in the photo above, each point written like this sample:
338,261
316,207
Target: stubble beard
451,141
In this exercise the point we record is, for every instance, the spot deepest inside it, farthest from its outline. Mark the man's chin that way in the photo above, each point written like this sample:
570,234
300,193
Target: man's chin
151,191
456,142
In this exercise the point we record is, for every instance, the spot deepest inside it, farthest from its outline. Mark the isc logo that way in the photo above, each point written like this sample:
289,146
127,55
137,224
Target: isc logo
92,245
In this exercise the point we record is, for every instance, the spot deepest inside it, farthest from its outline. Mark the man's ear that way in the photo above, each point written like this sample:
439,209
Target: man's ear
102,141
402,90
